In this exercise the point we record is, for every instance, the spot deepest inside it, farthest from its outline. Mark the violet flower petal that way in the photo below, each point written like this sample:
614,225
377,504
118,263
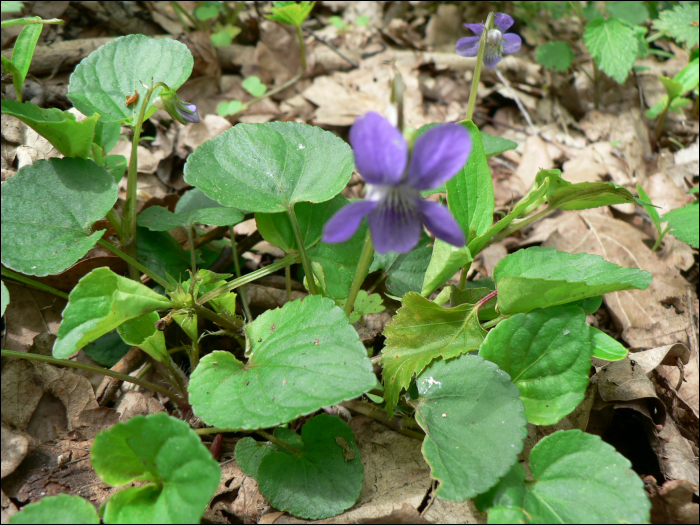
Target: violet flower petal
441,223
381,152
438,155
345,222
491,57
395,228
511,43
191,115
468,46
477,28
502,21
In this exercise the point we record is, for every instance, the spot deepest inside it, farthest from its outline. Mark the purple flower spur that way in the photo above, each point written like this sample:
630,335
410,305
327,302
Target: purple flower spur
498,42
395,212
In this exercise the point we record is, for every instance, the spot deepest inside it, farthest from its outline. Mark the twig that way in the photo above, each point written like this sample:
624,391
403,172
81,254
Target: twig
522,109
332,47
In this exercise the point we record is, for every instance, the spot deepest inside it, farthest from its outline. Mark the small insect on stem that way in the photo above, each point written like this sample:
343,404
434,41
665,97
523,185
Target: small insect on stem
132,99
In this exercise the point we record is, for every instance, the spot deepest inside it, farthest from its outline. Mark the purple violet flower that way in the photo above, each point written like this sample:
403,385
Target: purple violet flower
395,212
180,110
498,42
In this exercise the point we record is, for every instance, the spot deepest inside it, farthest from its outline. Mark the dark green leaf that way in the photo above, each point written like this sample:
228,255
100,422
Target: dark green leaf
405,271
116,166
555,55
474,424
48,209
496,145
547,354
303,356
540,277
164,451
420,332
157,218
107,135
162,254
108,349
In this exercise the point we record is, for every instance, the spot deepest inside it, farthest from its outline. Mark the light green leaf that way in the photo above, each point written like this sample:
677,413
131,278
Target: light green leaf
445,261
689,76
365,304
164,451
142,332
584,195
100,302
613,46
651,210
103,80
680,102
474,424
539,277
420,332
605,347
61,509
22,53
48,209
254,86
673,87
547,354
322,479
11,7
5,298
232,107
496,145
249,453
405,271
291,13
636,13
334,265
276,228
576,478
204,12
657,108
684,223
678,23
303,356
470,191
60,128
270,167
555,55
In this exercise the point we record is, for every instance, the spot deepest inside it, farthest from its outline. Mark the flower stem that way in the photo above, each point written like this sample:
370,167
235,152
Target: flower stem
97,370
132,262
193,254
115,222
278,442
361,272
229,323
477,68
494,322
35,284
237,269
249,278
660,238
288,282
305,262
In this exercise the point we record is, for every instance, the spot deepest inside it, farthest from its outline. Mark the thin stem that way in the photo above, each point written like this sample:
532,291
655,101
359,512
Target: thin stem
519,224
215,430
360,273
115,222
660,238
660,124
229,323
278,442
237,269
33,20
494,322
305,262
378,414
132,262
302,49
128,238
463,277
485,299
248,278
34,284
288,282
193,254
477,68
179,11
97,370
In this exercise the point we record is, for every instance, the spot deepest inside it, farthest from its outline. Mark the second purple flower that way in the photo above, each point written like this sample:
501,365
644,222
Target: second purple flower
393,206
498,42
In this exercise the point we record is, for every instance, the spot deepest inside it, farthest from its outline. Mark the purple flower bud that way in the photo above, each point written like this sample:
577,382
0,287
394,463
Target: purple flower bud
498,42
180,110
394,209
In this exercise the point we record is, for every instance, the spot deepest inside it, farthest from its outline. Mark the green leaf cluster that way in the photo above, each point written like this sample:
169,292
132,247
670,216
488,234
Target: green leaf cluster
291,13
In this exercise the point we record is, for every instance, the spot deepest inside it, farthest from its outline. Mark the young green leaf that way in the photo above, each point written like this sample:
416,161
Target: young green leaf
605,347
100,302
142,332
577,478
689,76
473,296
496,145
651,210
420,332
48,209
445,261
22,54
474,424
206,12
60,128
322,479
232,107
539,277
11,7
290,13
164,451
334,265
277,229
57,509
254,86
303,356
555,55
470,191
5,298
405,271
613,45
365,304
684,223
547,354
583,195
103,80
678,23
270,167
